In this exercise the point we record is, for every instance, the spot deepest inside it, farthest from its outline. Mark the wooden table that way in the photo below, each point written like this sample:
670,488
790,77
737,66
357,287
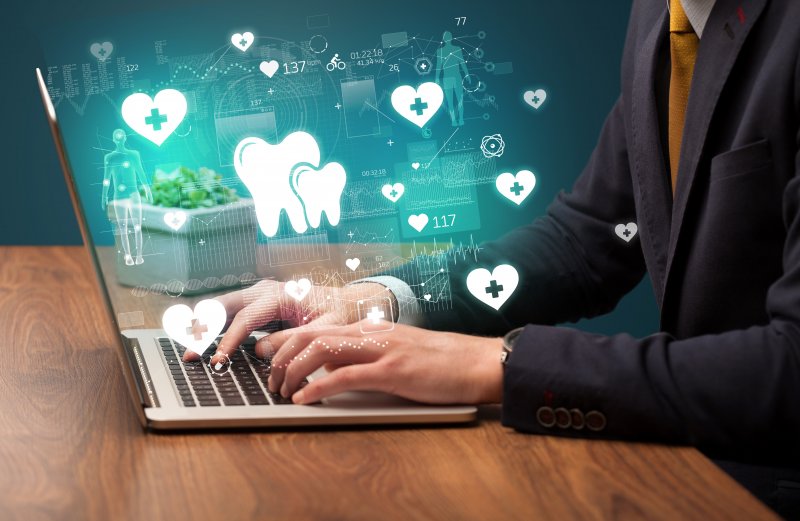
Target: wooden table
72,448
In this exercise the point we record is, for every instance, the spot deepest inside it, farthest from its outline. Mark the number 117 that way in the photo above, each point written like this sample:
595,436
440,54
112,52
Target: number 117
445,221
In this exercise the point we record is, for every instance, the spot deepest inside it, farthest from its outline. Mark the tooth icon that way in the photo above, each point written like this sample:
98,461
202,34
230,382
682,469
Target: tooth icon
321,191
266,171
277,174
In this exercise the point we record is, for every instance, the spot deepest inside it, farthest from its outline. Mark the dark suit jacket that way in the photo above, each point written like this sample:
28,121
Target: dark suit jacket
723,256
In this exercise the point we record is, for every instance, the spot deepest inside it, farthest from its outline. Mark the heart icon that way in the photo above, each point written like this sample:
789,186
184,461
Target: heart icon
175,220
269,68
415,166
197,329
418,222
493,289
626,232
516,187
353,264
243,41
393,192
154,118
298,289
427,296
535,98
102,51
418,105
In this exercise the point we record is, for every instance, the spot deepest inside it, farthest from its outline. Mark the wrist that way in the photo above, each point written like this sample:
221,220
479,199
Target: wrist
489,372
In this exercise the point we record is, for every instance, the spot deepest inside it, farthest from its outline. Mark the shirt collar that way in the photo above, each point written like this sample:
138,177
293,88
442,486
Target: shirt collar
697,11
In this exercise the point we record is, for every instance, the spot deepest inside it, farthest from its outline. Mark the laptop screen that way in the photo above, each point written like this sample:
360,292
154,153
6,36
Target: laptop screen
212,148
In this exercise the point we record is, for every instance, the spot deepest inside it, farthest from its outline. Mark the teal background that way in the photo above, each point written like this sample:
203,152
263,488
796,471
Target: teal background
572,49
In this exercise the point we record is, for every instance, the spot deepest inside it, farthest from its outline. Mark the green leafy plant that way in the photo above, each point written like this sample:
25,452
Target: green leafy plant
185,188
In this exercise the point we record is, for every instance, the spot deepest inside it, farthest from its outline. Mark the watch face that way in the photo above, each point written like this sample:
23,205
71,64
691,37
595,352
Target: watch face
511,338
508,344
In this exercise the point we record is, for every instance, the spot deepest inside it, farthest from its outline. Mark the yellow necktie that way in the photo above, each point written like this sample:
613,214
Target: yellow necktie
683,44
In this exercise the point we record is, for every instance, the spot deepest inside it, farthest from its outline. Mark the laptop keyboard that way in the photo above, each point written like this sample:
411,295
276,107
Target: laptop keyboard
245,382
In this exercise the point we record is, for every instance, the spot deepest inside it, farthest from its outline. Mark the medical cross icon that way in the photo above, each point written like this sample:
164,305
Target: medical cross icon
418,106
494,288
375,315
517,189
155,119
197,329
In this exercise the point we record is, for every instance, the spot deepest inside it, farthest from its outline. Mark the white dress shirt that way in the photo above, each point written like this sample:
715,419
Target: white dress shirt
697,11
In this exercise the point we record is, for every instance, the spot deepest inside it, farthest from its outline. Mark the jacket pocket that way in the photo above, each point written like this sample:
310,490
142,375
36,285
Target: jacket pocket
786,499
742,160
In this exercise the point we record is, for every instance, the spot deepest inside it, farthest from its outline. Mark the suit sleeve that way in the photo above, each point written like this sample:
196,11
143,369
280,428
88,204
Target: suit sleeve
723,391
571,263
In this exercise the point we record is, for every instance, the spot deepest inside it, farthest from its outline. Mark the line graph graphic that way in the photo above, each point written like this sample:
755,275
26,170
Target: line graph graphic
362,199
467,168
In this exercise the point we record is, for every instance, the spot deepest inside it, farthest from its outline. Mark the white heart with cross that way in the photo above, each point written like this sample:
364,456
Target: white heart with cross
175,220
155,118
298,289
517,187
101,51
243,41
626,232
197,329
535,98
493,289
393,192
420,104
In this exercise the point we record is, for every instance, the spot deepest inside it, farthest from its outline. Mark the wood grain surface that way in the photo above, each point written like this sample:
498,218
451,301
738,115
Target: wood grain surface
71,447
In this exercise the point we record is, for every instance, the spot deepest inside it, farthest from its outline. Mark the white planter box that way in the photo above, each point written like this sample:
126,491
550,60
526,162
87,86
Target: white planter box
214,249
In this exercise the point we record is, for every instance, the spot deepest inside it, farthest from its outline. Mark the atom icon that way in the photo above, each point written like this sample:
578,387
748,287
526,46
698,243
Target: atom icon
493,146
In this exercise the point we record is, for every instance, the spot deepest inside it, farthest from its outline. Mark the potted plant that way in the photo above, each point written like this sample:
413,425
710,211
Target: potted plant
197,234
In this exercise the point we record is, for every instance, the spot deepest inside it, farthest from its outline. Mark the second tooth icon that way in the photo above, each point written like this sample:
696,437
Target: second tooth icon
288,176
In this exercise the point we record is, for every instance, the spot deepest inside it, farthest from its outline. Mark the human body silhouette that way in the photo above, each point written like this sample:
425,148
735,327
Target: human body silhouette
451,69
124,177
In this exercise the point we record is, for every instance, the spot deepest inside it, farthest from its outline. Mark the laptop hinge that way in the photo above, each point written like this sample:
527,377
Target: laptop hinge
144,384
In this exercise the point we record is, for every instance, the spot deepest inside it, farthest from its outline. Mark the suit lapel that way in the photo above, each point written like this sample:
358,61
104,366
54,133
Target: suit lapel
725,32
650,177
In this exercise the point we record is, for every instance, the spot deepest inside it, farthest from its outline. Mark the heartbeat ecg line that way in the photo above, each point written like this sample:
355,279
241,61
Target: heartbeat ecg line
449,252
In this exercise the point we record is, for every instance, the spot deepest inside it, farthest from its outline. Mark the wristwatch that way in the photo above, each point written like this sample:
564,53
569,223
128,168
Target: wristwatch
508,344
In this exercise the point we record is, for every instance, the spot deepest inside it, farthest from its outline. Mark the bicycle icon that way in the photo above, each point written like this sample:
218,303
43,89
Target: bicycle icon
335,63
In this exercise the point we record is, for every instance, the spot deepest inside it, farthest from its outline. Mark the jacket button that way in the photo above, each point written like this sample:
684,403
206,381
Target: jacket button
578,421
546,417
595,421
563,418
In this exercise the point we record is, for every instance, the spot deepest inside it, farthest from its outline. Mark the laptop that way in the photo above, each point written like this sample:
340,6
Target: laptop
169,394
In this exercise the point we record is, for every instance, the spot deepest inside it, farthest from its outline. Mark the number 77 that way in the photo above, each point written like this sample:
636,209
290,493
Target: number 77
461,20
